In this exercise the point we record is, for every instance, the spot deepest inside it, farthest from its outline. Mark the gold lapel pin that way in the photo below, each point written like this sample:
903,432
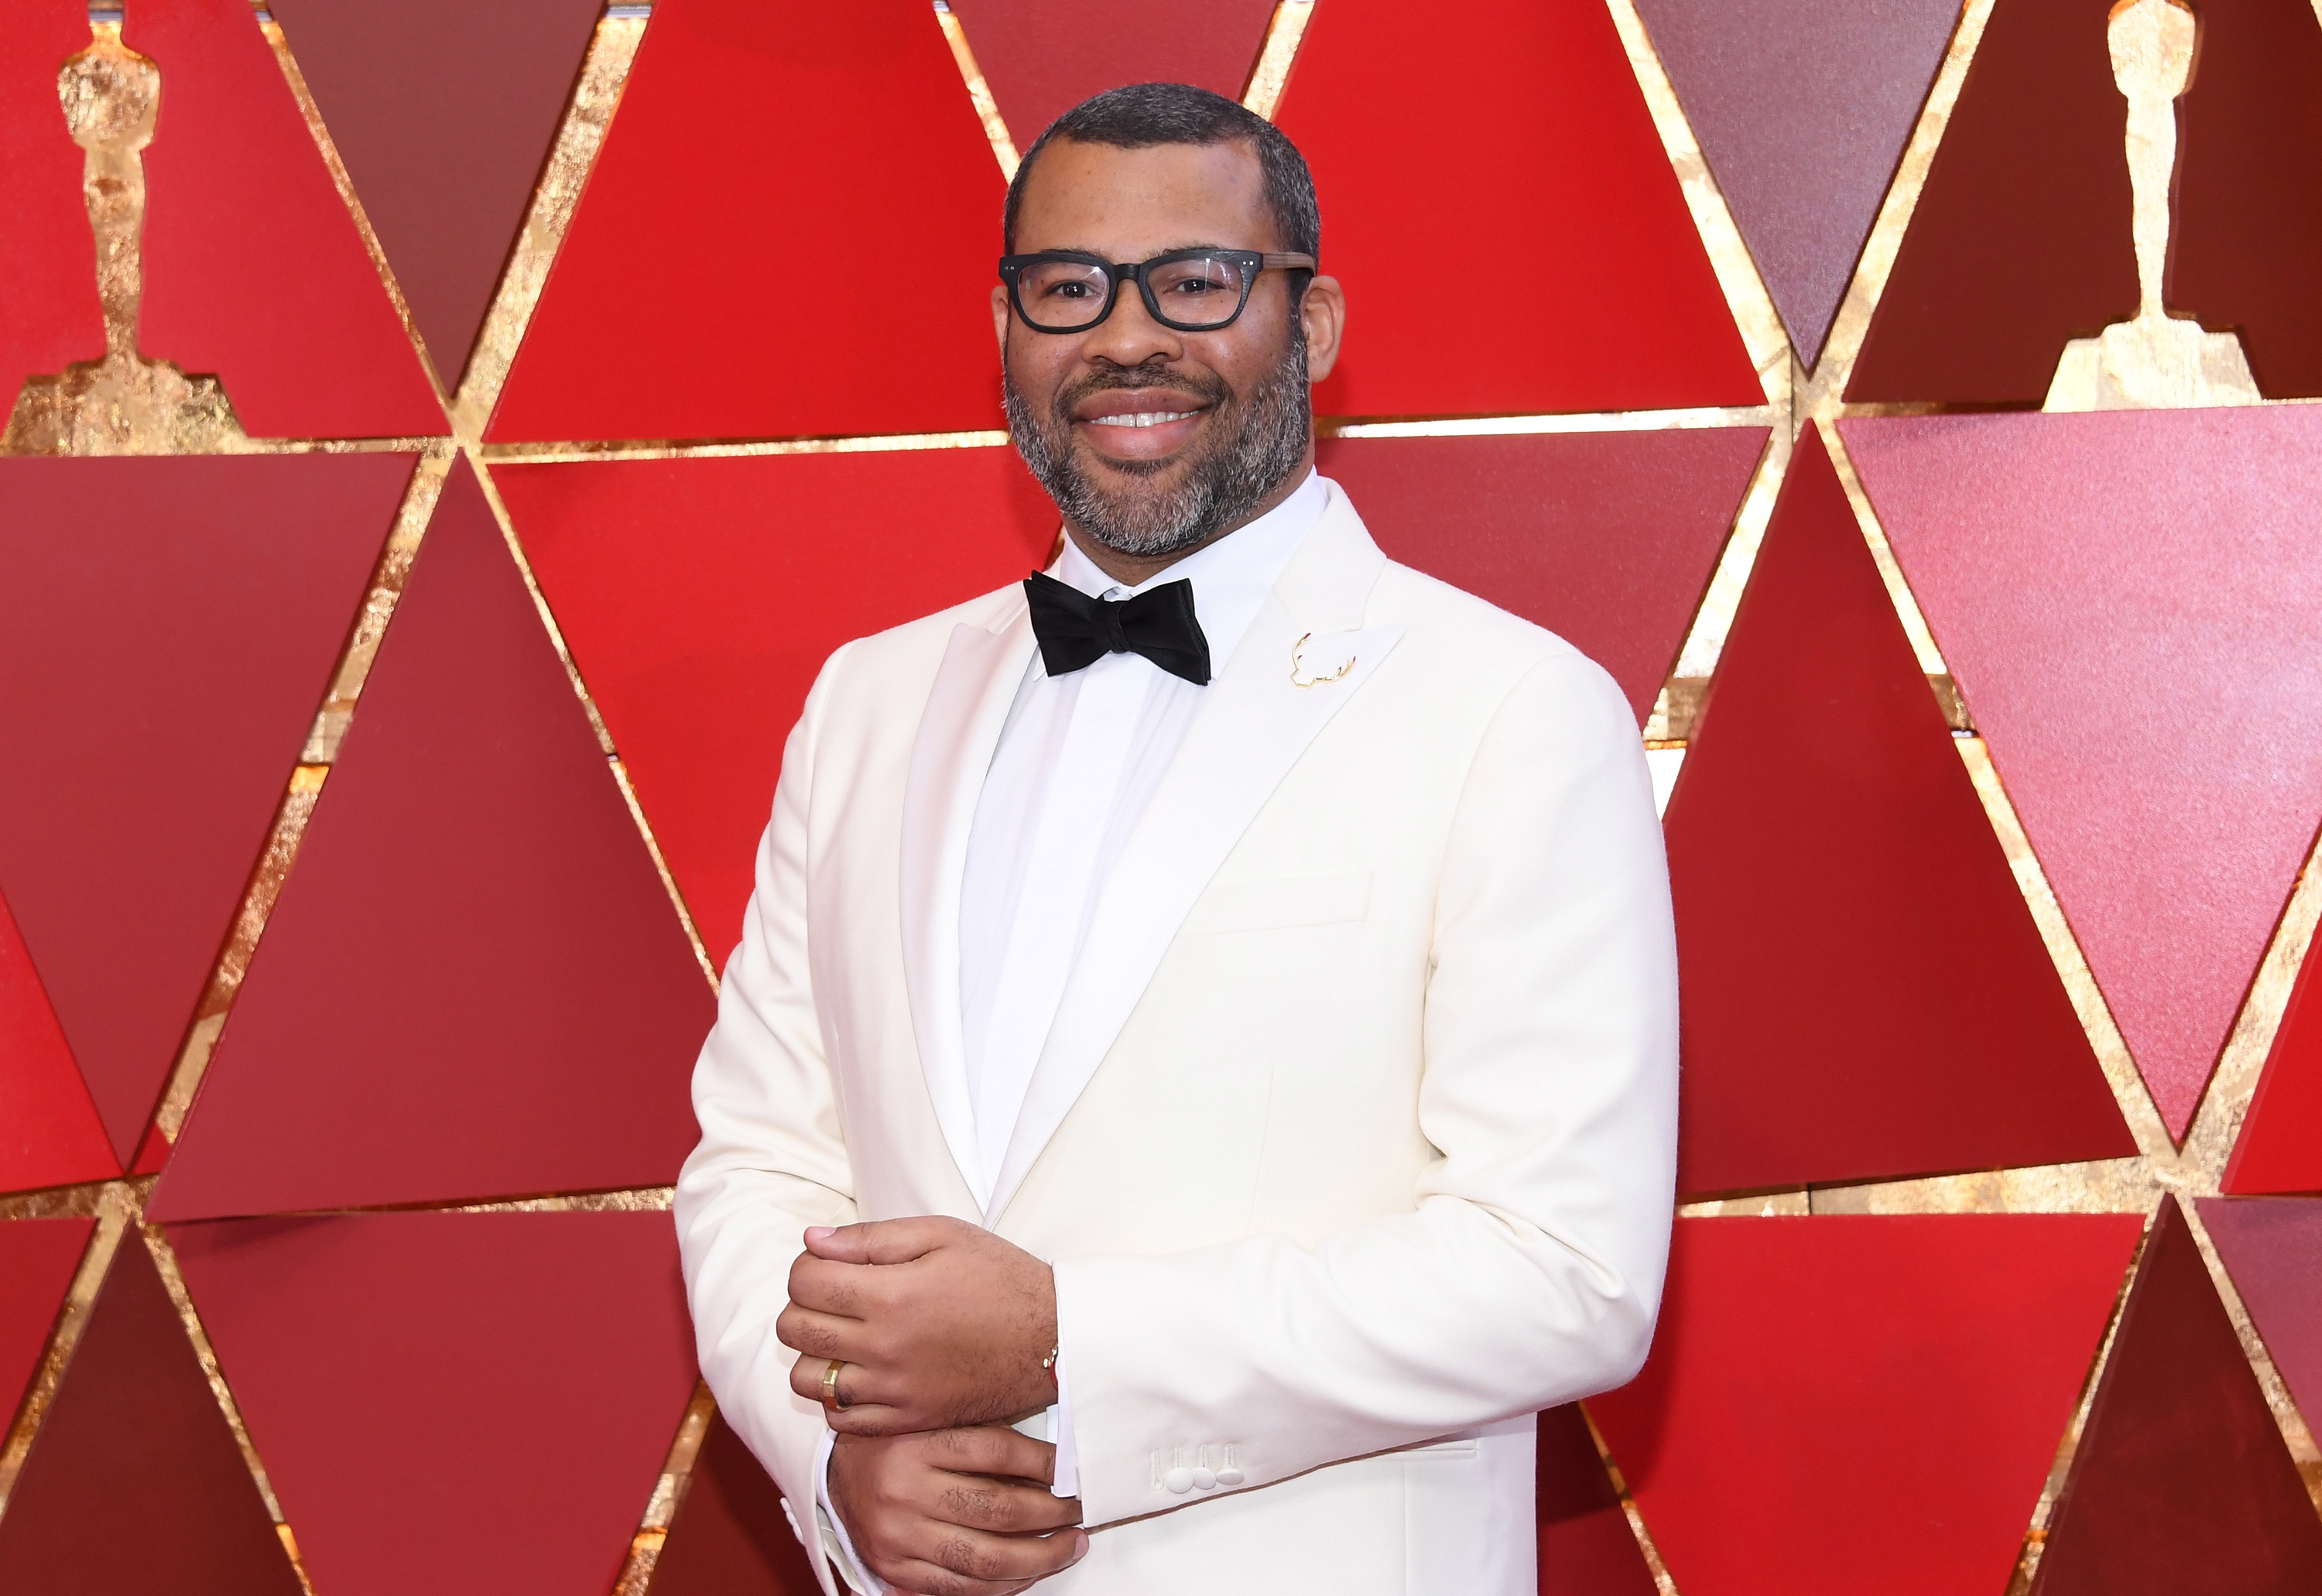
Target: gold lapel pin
1298,677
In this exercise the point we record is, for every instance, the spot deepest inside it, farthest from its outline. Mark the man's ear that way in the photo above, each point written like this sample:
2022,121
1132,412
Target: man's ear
999,317
1323,312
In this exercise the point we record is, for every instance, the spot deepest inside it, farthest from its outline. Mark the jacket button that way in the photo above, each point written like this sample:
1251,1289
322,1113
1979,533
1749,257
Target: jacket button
1203,1479
1229,1476
1179,1480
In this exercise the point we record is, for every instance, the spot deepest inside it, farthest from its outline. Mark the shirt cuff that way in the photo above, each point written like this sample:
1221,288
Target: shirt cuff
837,1543
1060,1432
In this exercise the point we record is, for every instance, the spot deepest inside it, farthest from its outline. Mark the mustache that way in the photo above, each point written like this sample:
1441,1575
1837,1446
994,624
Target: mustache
1207,386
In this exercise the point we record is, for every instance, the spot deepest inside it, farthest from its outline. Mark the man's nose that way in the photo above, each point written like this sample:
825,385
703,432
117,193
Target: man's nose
1129,336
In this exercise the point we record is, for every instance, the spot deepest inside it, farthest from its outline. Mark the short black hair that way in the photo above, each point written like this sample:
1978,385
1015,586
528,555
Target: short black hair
1143,115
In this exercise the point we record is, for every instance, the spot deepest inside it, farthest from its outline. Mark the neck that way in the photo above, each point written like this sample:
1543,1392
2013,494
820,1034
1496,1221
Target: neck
1129,570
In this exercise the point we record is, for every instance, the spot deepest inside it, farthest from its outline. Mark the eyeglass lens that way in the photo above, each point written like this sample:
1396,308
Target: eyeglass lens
1195,292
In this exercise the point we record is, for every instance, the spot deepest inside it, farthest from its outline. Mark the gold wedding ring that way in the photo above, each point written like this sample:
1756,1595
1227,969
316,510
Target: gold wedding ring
830,1397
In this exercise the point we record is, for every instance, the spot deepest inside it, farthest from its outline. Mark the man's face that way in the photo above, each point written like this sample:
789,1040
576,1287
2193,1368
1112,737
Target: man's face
1153,441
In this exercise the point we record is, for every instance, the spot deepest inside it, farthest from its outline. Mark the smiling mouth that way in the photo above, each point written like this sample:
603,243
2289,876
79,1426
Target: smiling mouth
1140,418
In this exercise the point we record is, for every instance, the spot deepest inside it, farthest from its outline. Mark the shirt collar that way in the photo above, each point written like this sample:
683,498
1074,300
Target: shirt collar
1231,577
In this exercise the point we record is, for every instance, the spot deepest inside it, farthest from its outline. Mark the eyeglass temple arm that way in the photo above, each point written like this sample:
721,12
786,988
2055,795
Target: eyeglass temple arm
1287,262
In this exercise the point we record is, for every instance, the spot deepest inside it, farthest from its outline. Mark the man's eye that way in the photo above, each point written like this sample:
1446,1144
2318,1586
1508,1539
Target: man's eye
1069,291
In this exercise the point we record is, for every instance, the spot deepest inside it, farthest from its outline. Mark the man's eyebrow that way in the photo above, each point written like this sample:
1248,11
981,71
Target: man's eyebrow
1165,249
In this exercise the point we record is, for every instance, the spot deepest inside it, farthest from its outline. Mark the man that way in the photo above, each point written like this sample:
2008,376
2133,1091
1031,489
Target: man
1213,1007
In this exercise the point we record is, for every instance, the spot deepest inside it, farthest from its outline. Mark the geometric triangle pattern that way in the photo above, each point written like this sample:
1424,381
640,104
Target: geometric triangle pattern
1806,1347
2020,239
134,1481
1041,58
459,1403
1625,312
2249,187
639,333
167,631
50,1134
2272,1249
1764,82
238,197
472,884
1822,803
47,257
731,1535
2181,1481
442,113
38,1258
1585,1545
2131,602
2280,1148
1607,539
700,597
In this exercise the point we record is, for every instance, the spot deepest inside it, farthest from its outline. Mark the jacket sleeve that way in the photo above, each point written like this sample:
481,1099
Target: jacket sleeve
772,1160
1528,1271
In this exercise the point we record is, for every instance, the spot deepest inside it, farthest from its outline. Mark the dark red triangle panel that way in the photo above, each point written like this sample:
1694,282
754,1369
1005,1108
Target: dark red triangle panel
2280,1148
1041,58
455,1403
134,1481
691,299
1601,296
1861,1403
2249,187
1802,112
2272,1248
2021,237
700,597
1587,1548
254,268
38,1258
46,256
2132,603
1607,539
1865,994
729,1536
442,113
2181,1485
168,630
474,983
50,1134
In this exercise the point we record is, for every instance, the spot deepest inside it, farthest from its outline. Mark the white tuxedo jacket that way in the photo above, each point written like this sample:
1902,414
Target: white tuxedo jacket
1353,1143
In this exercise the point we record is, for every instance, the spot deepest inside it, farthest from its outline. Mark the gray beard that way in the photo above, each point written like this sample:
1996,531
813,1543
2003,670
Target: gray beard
1226,483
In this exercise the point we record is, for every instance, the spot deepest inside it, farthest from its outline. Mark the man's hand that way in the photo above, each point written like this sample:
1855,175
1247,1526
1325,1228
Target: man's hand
940,1324
958,1512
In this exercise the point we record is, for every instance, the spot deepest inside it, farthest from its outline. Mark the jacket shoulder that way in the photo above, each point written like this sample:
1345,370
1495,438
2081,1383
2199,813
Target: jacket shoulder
1476,636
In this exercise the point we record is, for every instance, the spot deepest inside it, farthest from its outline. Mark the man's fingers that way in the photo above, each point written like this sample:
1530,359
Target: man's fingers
814,1334
951,1560
993,1449
1002,1507
883,1241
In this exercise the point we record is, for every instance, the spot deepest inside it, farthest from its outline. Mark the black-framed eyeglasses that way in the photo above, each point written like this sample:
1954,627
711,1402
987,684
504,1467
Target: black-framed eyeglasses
1188,291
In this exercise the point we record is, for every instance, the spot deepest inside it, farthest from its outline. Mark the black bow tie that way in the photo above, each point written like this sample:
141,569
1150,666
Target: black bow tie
1076,631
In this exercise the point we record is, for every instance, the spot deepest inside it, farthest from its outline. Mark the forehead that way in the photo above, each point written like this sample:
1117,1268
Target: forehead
1128,203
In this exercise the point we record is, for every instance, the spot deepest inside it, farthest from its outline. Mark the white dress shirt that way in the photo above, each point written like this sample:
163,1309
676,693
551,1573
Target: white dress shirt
1078,760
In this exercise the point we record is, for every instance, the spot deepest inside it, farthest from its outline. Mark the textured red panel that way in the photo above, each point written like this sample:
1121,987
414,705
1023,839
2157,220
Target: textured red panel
1602,297
2181,1485
47,258
2021,239
50,1134
2272,1247
453,1402
442,112
1585,1545
1041,58
254,268
688,302
134,1482
2281,1144
729,1537
168,629
38,1258
1863,1403
1865,994
1802,112
473,929
2249,187
699,597
2131,602
1605,538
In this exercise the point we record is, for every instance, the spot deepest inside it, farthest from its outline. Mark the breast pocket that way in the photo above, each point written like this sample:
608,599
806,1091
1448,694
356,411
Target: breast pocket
1281,903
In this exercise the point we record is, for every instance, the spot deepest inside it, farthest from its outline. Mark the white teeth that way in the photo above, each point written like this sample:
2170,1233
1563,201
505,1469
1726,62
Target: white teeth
1141,418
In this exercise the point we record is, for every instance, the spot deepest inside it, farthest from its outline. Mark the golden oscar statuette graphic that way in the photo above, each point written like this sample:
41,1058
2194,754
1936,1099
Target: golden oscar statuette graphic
2155,360
123,404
